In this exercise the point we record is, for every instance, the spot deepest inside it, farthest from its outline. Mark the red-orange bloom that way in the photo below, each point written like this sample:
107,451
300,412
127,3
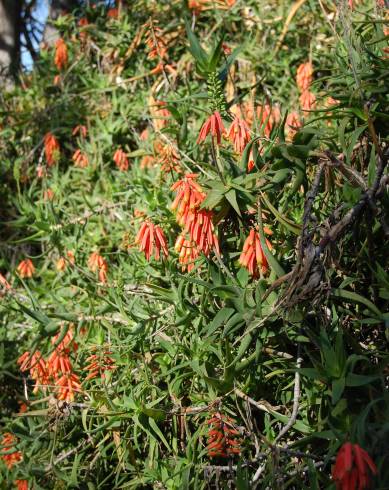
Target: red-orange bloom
222,437
353,468
67,385
113,13
214,126
201,230
155,42
37,367
4,283
48,195
52,149
144,135
8,443
189,197
159,113
307,100
80,159
147,161
80,129
268,116
21,484
121,160
96,262
239,134
169,159
61,54
304,76
252,256
293,123
99,364
26,268
188,252
151,238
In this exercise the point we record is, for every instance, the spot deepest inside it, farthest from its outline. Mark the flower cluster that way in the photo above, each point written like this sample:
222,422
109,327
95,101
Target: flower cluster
57,369
304,79
80,159
188,252
197,222
222,437
26,268
252,256
61,54
353,468
151,239
52,149
97,263
9,456
121,160
99,364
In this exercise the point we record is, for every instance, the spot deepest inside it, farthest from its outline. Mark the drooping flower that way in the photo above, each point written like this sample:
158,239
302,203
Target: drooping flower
61,54
52,149
239,134
189,196
214,126
26,268
268,116
159,113
37,367
80,129
252,256
48,194
121,160
113,13
99,364
61,264
10,457
353,468
67,385
21,484
151,239
4,283
201,230
40,171
304,76
97,263
80,159
188,252
147,161
144,135
293,124
155,41
169,159
307,100
222,437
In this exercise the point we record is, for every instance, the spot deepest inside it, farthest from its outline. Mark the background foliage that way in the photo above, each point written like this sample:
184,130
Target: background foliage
296,357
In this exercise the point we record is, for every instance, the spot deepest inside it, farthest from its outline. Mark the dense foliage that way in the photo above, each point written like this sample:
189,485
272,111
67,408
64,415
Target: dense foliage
194,284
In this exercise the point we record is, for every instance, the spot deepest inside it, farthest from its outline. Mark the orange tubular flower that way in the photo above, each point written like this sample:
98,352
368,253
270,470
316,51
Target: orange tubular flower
147,161
10,458
201,230
48,195
4,283
113,13
188,252
67,385
61,54
51,149
151,238
213,125
82,130
169,159
307,100
239,134
80,159
61,264
144,135
160,114
222,437
83,22
304,76
268,116
293,122
252,256
21,484
121,160
37,367
26,268
155,42
189,197
96,262
353,468
99,364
